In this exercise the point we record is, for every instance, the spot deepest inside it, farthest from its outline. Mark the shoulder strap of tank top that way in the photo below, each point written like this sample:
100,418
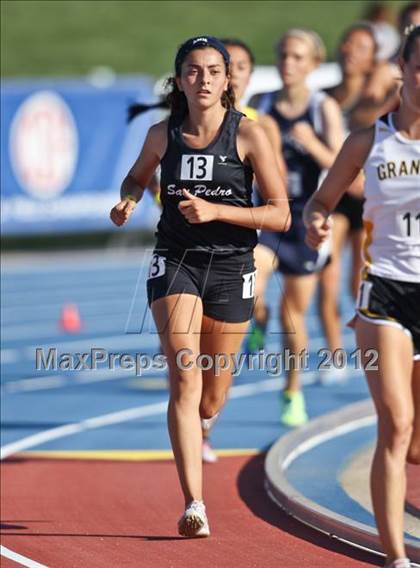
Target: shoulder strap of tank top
174,123
315,111
383,128
266,101
385,119
228,135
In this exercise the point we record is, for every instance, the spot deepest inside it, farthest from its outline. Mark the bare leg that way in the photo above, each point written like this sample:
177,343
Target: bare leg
390,387
298,292
356,240
329,281
414,449
178,320
266,263
217,340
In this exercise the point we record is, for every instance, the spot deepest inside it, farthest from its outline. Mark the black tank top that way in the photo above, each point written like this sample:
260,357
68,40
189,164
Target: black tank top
215,173
302,170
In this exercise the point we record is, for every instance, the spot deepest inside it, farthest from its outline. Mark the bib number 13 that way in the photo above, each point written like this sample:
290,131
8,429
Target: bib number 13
157,266
197,167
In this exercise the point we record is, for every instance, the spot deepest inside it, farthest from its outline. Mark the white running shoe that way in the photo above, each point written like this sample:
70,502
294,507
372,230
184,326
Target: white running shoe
208,423
193,522
207,453
399,563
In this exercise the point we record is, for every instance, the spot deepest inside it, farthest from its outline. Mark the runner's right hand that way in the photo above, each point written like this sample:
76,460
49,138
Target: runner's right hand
122,211
317,231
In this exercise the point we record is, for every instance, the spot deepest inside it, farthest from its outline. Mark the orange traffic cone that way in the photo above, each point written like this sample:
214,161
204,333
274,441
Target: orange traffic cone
70,321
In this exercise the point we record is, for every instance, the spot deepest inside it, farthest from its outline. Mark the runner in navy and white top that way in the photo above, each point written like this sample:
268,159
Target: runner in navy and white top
311,129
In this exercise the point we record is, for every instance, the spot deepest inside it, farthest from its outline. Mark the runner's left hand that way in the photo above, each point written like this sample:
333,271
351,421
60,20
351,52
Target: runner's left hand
197,210
303,133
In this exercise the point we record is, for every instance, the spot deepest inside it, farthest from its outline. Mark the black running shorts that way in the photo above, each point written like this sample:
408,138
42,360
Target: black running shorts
226,285
352,208
391,302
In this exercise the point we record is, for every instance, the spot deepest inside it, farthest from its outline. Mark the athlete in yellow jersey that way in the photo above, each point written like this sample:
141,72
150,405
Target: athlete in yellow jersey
249,112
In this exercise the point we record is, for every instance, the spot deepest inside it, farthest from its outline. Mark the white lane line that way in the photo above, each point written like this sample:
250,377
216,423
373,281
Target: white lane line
238,391
45,312
85,262
8,356
92,324
7,553
120,343
84,425
73,378
103,323
35,384
319,439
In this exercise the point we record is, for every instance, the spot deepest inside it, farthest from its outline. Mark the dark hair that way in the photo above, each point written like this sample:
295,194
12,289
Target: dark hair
379,12
362,26
407,47
233,42
200,42
404,15
136,109
175,99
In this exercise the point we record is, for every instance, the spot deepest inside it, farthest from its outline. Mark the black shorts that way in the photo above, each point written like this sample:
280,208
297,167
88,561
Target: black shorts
226,285
352,208
294,255
391,302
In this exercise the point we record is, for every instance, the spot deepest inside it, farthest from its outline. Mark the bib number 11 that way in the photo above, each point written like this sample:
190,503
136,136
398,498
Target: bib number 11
409,224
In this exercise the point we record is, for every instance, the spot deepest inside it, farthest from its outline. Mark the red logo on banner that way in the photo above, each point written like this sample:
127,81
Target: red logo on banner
44,145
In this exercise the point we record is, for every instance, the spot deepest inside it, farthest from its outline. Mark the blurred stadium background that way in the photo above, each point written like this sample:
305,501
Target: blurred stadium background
69,69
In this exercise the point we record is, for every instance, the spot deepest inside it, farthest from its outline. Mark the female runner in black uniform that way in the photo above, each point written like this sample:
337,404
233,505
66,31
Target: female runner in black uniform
202,275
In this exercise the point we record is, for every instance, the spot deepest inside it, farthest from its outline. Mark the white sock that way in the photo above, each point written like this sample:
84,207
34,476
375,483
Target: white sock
208,423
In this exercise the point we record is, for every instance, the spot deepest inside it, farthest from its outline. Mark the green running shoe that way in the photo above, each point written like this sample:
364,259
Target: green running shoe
293,412
256,338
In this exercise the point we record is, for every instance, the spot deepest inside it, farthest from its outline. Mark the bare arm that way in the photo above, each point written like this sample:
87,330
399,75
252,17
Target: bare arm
342,174
253,146
380,95
273,133
323,151
139,176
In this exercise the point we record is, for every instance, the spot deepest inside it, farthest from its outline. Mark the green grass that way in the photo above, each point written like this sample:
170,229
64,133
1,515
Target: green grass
70,37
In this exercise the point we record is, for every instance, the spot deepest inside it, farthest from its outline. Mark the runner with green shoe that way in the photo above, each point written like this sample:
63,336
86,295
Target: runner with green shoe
311,129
